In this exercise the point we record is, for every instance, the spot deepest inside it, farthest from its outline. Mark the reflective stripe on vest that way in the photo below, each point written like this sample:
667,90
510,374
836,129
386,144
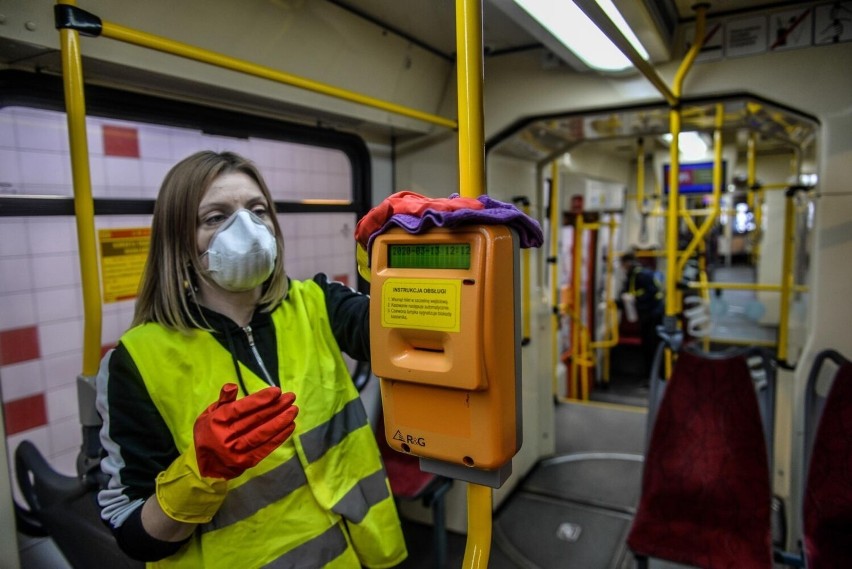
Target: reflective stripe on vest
301,496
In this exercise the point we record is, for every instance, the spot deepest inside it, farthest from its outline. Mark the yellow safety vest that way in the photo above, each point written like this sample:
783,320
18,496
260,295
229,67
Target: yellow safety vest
321,499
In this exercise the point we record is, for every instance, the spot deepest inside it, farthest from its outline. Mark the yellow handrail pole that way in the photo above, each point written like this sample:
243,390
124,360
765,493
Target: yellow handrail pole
555,221
84,209
745,342
786,275
705,296
470,70
600,18
755,196
671,235
687,216
158,43
776,186
586,363
611,325
672,296
611,312
525,300
698,236
751,168
478,548
689,59
611,305
640,176
737,286
576,310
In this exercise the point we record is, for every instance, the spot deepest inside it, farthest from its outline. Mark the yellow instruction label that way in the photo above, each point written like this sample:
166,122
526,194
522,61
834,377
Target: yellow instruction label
424,304
123,255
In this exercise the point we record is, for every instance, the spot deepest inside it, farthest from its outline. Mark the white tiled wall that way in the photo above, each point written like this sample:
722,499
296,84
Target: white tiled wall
39,270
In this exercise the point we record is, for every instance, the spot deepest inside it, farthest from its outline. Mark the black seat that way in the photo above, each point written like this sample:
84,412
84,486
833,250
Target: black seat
706,493
65,508
827,507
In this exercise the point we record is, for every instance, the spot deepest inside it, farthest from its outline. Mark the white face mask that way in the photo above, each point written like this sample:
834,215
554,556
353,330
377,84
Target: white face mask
242,252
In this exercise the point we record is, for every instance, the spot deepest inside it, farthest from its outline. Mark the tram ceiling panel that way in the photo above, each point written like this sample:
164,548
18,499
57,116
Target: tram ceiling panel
540,139
431,25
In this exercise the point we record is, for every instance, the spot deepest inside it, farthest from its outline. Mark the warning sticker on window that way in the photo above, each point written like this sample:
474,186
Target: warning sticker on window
424,304
123,255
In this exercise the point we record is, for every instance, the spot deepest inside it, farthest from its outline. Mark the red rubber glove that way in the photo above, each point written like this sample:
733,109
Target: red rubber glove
232,436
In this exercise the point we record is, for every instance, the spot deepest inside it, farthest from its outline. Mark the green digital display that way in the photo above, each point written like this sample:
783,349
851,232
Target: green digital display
429,256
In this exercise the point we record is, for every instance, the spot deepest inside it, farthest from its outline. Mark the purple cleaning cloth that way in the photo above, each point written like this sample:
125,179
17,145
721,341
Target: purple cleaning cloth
494,212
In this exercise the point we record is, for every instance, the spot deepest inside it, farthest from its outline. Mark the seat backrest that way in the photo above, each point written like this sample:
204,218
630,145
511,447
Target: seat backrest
762,369
66,508
706,493
827,508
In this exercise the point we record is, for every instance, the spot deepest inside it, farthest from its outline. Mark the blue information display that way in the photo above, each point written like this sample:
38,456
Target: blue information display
695,178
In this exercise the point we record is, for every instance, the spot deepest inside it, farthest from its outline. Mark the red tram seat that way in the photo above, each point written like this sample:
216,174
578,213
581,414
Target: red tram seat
827,508
706,495
628,333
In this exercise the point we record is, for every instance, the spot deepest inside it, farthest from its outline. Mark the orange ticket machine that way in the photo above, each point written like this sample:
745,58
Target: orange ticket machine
445,343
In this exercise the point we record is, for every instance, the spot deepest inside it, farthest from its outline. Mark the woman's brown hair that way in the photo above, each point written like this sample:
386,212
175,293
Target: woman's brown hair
173,261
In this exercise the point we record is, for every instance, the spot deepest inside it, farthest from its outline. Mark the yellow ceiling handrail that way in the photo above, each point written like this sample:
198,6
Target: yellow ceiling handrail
92,25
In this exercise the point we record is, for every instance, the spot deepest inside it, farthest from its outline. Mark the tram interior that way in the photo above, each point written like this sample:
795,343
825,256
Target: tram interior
591,481
599,182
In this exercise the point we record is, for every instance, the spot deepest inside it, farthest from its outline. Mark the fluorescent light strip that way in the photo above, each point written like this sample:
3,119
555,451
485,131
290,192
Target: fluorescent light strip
570,26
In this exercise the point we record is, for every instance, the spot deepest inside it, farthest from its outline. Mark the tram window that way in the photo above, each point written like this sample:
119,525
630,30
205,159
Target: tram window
310,247
41,313
129,159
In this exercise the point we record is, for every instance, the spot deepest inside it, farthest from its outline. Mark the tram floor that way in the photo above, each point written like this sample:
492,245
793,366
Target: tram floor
574,509
626,384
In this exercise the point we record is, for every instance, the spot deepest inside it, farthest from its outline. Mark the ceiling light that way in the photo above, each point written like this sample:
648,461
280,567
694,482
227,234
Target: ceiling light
690,144
570,34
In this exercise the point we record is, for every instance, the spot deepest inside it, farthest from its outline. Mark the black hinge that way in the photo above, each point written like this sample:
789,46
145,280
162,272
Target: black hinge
73,18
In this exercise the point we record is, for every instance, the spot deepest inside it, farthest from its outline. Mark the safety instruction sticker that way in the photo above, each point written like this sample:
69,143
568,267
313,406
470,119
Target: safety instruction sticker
424,304
123,255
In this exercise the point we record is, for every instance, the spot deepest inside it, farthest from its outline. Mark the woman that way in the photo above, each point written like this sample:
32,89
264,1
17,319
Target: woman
207,466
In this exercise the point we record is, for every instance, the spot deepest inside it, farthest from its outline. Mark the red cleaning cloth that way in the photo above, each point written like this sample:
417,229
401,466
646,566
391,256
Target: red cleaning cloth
409,203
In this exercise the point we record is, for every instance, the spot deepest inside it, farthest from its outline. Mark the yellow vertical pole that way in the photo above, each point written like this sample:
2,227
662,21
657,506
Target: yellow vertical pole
610,264
525,300
755,196
672,305
751,167
576,301
470,72
786,275
714,208
672,296
640,176
586,363
717,162
84,210
553,261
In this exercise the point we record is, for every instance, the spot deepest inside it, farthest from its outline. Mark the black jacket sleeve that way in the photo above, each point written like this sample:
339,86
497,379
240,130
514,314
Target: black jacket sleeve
139,446
349,315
